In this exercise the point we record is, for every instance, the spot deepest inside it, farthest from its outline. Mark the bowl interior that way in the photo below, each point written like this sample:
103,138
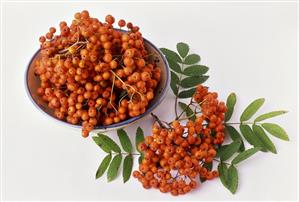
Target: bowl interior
32,83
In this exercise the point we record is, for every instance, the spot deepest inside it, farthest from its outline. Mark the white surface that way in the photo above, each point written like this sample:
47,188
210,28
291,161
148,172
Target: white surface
250,49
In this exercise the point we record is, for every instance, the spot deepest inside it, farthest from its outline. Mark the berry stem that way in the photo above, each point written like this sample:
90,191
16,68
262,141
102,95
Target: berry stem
159,121
125,153
176,96
238,123
222,162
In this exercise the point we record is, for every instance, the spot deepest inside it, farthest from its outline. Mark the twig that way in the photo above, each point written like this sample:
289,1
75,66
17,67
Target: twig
158,120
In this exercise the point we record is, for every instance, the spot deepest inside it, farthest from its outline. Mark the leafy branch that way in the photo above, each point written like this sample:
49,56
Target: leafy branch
186,72
112,148
255,135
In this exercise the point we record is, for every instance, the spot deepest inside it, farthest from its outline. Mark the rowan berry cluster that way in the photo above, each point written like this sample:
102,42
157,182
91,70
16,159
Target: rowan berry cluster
174,155
93,74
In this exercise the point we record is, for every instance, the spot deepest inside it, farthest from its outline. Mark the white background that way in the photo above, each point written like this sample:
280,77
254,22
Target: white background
250,49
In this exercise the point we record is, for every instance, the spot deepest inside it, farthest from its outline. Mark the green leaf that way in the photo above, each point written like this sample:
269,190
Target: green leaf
101,144
174,81
127,167
103,166
109,142
222,170
192,59
183,49
276,131
251,137
187,93
140,158
245,154
252,109
174,65
230,104
235,135
139,138
192,81
195,70
124,140
264,138
171,55
114,167
220,150
230,150
269,115
188,111
232,177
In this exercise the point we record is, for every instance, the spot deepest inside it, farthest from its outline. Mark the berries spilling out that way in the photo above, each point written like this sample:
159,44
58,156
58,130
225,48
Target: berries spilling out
175,155
92,74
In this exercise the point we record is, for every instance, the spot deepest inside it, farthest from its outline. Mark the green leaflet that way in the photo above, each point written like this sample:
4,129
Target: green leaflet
276,131
101,144
245,154
269,115
192,59
188,111
195,70
174,65
174,81
192,81
220,149
222,169
171,55
230,150
187,93
139,138
109,142
230,103
127,167
232,178
124,140
251,109
264,138
183,49
251,137
235,135
114,167
103,166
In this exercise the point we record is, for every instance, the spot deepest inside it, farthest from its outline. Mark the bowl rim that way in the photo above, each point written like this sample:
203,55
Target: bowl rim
112,126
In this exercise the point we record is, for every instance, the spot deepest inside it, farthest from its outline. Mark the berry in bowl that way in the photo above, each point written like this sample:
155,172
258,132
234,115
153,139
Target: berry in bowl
95,76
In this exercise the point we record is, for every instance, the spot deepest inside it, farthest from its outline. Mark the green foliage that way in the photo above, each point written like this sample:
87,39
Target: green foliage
186,72
127,168
252,109
245,155
269,115
276,131
189,112
235,135
109,146
230,104
103,166
183,49
114,167
125,140
139,138
230,150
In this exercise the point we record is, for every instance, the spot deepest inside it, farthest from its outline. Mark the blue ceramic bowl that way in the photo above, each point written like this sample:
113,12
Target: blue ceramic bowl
32,83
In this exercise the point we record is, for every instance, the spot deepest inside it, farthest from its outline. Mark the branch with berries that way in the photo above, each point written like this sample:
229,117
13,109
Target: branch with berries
181,154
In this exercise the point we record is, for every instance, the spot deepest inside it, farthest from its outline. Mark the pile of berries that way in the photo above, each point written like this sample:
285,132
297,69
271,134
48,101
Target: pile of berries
174,155
92,74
